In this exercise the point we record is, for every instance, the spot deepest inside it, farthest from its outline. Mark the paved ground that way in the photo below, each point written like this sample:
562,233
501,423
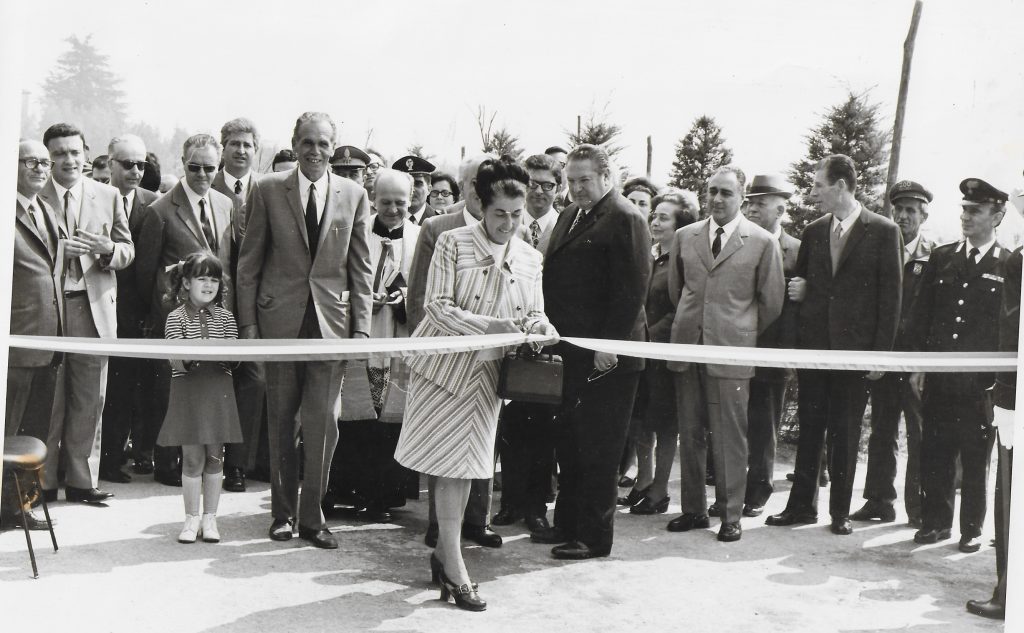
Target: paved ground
120,569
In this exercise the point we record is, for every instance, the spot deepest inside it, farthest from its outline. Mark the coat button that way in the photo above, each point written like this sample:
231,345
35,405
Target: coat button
512,281
485,272
956,336
960,302
958,319
965,284
477,297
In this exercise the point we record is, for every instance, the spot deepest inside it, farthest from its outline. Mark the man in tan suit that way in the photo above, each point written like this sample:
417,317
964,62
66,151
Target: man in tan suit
304,272
98,244
726,280
37,302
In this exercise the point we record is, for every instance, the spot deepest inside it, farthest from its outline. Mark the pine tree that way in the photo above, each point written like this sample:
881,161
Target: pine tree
698,155
82,90
597,130
853,128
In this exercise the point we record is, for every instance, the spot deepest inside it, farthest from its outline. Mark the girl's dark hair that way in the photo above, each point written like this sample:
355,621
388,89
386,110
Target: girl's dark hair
200,264
503,176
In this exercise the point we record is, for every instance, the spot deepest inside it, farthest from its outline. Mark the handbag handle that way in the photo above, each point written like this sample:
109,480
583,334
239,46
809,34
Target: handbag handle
526,350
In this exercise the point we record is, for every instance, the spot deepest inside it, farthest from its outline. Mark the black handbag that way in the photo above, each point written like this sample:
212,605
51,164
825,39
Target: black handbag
527,376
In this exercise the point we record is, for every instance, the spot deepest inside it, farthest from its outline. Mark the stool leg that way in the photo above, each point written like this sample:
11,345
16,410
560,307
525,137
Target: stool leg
24,525
46,511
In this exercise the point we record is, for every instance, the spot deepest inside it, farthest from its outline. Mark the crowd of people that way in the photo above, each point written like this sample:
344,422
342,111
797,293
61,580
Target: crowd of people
332,244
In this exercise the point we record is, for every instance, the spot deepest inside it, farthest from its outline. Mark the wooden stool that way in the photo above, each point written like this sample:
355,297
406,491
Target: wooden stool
23,453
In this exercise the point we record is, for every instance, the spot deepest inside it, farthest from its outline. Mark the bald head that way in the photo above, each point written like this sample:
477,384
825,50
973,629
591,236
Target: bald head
467,180
392,179
32,179
391,196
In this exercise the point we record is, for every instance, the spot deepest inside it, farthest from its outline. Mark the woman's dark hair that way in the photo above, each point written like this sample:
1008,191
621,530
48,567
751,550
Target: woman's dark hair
439,176
687,205
500,177
151,177
639,183
284,156
199,264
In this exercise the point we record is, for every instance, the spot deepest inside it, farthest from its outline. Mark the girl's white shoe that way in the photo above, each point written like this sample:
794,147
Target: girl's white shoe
209,529
190,531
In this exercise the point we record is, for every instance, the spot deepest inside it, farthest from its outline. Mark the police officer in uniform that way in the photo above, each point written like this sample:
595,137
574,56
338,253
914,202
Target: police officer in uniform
420,169
350,162
899,392
958,311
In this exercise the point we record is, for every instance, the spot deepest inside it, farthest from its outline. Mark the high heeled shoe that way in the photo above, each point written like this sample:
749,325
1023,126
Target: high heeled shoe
646,506
466,596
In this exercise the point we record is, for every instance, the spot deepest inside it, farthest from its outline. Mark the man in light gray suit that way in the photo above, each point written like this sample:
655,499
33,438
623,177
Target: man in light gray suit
476,523
98,243
526,441
726,280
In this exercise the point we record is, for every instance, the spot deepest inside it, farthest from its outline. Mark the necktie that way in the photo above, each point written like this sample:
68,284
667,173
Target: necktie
716,246
412,218
74,265
238,187
124,201
204,217
535,233
972,259
835,246
312,223
580,214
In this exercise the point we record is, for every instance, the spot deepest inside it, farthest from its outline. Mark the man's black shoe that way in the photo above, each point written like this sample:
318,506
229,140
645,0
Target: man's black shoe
576,551
86,495
730,532
688,521
482,536
872,510
234,480
786,517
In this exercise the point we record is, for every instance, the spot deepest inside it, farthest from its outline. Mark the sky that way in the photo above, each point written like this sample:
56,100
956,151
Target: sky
405,72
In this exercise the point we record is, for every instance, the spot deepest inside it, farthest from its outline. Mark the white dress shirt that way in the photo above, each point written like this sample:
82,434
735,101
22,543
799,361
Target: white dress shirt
728,229
230,181
194,199
131,202
321,193
847,224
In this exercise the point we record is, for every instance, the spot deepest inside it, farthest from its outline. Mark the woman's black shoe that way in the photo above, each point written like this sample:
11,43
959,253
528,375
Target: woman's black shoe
646,506
465,596
634,497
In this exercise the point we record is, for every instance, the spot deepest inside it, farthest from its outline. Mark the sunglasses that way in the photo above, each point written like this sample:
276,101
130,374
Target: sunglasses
128,164
195,169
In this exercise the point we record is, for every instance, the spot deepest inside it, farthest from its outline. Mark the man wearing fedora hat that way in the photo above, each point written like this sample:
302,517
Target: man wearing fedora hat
899,392
958,311
420,169
765,205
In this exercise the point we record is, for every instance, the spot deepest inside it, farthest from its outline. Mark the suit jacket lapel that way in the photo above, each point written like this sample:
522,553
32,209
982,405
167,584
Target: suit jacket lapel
135,219
49,195
702,247
333,198
856,235
23,216
587,221
294,196
185,213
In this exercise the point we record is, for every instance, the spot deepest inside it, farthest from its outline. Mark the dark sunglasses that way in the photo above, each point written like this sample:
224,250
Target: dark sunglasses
128,164
194,168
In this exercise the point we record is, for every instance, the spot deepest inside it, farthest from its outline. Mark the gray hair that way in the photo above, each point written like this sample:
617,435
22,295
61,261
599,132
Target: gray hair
594,154
197,141
741,177
314,117
469,167
125,138
241,125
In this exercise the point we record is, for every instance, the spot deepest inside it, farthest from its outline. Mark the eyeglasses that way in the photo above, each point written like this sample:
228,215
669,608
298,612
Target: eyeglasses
546,187
437,193
32,163
195,169
128,164
373,167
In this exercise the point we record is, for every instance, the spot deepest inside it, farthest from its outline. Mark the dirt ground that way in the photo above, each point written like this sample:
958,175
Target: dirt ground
120,569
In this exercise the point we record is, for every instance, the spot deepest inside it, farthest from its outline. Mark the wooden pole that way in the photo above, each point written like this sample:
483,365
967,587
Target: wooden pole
579,126
901,106
650,151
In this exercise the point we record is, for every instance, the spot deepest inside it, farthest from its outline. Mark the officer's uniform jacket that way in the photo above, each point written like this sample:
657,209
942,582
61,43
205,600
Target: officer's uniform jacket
957,310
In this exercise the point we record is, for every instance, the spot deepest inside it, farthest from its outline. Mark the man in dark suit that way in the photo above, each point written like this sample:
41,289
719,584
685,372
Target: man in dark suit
526,439
98,243
725,277
240,140
420,170
130,380
1004,397
899,392
37,303
304,272
596,274
848,282
958,311
765,206
191,217
476,524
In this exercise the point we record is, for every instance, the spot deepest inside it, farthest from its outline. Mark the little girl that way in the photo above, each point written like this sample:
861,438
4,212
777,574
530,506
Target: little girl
201,414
